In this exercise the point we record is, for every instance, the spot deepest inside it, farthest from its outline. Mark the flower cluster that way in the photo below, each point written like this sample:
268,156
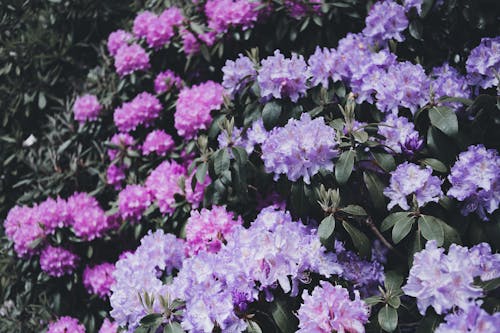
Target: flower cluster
57,261
87,219
66,324
475,180
123,141
98,279
471,319
86,108
223,14
300,149
163,184
117,39
194,106
445,280
280,77
386,20
448,82
131,58
483,64
400,135
138,273
167,80
299,8
108,327
207,230
330,309
133,200
410,179
237,73
142,110
157,142
160,29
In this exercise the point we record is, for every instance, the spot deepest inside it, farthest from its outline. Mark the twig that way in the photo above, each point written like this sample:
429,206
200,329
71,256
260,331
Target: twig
369,222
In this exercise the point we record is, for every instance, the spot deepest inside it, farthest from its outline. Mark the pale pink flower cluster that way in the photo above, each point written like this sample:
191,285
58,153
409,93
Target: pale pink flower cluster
86,108
131,58
142,110
133,201
157,142
98,279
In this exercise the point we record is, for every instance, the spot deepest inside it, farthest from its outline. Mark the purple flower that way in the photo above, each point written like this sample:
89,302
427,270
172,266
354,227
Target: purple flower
472,319
195,196
330,309
86,108
131,58
400,135
51,214
160,29
98,279
142,110
223,14
166,80
108,327
300,8
280,77
300,149
115,175
123,140
194,106
445,280
417,4
323,65
448,82
256,135
475,180
157,142
65,325
57,261
87,219
22,228
386,20
410,179
483,63
117,39
237,74
190,44
133,201
163,184
142,22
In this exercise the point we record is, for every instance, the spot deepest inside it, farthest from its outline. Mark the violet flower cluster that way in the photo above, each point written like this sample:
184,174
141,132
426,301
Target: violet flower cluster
443,281
330,309
122,141
300,8
281,77
475,180
66,324
300,149
139,273
483,64
87,219
207,230
117,39
167,80
223,14
194,106
237,73
471,319
98,279
159,30
108,327
410,179
400,135
142,110
386,20
133,200
448,82
159,142
86,108
131,58
57,261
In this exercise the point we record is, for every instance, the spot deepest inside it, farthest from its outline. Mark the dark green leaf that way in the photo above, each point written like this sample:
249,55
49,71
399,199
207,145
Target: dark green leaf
283,317
416,29
173,328
375,188
354,210
240,155
388,318
221,161
435,164
359,239
401,229
431,229
393,281
392,219
201,172
489,285
42,101
394,301
373,300
326,228
386,161
343,167
152,319
253,327
271,114
445,119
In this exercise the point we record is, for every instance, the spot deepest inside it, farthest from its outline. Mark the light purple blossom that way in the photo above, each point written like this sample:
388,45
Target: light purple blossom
142,110
386,20
98,279
448,82
281,77
475,180
157,142
167,80
472,319
330,309
446,280
483,63
115,175
300,149
131,58
133,201
410,179
300,8
108,327
237,73
399,134
223,14
117,39
57,261
160,29
142,22
65,325
86,108
87,219
417,4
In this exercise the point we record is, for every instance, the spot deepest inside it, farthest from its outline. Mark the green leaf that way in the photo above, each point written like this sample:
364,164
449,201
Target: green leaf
42,101
394,301
401,229
283,317
173,328
152,319
201,172
221,161
253,327
240,155
388,318
326,228
359,239
416,29
451,235
393,281
445,119
270,114
354,210
375,188
392,219
360,136
431,229
386,161
435,164
343,167
373,300
489,285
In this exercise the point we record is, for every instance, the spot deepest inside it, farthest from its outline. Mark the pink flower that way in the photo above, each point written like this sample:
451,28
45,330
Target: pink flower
98,279
66,325
142,110
131,58
163,182
86,108
118,39
133,201
108,327
167,80
57,261
157,142
142,22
